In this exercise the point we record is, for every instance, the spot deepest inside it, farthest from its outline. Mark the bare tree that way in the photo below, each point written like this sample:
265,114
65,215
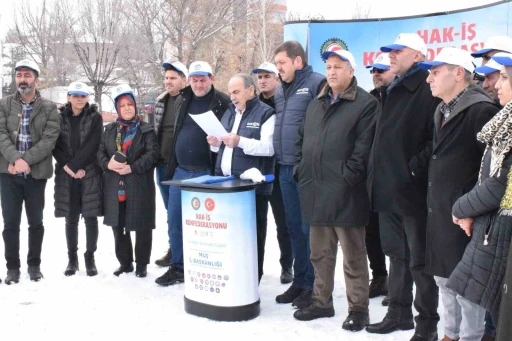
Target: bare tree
98,36
296,16
361,12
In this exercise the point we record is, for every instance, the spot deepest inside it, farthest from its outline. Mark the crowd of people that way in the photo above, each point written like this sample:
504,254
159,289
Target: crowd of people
416,170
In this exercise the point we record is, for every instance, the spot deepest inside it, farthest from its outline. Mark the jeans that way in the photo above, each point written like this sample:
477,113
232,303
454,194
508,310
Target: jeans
303,272
283,237
174,215
463,319
14,190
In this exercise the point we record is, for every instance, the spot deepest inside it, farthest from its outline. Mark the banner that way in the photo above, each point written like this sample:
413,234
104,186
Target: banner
219,247
465,29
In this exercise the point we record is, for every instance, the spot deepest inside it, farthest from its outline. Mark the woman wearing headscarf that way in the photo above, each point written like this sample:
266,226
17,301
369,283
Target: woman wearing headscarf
485,213
78,183
128,154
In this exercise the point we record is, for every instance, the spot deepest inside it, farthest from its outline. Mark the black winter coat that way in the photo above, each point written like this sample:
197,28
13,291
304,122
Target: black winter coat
140,183
504,325
403,132
332,150
219,105
453,171
479,275
91,200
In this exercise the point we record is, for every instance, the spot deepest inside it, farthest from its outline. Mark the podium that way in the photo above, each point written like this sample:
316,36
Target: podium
219,249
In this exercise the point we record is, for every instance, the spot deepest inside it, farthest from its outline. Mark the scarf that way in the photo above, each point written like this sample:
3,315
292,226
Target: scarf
497,135
126,131
398,80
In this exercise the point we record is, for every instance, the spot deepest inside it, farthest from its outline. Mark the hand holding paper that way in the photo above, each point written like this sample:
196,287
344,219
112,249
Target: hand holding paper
210,124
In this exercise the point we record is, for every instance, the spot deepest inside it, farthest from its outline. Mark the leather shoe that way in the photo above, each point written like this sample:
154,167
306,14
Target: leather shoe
356,321
123,269
389,325
424,336
141,270
312,312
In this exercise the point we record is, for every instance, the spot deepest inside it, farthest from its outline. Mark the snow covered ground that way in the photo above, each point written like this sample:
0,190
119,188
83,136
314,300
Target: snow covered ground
130,308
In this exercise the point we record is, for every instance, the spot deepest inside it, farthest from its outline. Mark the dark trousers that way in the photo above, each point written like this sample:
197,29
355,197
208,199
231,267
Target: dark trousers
261,230
123,242
14,190
403,241
91,233
376,256
283,237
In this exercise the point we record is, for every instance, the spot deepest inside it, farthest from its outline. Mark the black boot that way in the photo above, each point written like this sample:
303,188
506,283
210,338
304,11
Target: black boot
378,286
13,276
289,295
171,277
90,264
303,300
356,321
420,335
165,260
286,276
72,267
123,269
389,325
141,270
34,273
312,312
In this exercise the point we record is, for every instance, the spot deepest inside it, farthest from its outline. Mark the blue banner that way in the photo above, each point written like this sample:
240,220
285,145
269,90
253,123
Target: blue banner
466,29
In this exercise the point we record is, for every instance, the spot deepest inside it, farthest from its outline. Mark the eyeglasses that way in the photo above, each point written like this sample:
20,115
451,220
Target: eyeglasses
375,70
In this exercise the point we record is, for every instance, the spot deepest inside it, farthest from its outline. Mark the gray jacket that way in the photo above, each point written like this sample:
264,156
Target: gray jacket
44,129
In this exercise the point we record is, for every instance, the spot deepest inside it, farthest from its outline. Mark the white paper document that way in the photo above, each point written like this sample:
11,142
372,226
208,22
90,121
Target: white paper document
210,124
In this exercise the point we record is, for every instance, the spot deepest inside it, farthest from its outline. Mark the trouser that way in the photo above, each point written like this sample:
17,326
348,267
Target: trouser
303,273
403,241
14,190
174,216
376,256
261,230
283,237
324,247
123,242
462,319
91,233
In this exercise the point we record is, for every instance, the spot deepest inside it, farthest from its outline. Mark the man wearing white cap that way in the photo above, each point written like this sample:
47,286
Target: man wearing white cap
333,147
29,128
175,79
268,81
381,76
492,46
491,72
190,154
397,184
460,116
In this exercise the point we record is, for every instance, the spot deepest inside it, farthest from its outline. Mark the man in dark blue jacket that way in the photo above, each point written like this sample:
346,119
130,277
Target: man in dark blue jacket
248,145
299,85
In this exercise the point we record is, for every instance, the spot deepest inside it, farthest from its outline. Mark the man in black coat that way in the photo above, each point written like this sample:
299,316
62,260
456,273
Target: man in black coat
332,152
381,77
463,112
268,81
398,189
190,155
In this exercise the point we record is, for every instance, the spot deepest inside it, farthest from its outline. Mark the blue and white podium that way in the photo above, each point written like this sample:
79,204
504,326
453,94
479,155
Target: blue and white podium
219,249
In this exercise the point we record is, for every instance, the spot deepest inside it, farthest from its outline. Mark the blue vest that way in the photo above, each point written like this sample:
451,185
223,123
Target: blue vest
255,114
290,110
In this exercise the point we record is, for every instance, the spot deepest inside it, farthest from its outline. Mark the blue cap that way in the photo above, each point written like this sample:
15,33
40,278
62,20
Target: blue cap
503,58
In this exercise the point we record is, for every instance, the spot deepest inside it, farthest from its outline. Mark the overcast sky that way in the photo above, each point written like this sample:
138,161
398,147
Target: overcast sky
330,9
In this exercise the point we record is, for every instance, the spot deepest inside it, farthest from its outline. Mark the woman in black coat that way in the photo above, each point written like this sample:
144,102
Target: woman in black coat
128,154
78,187
485,213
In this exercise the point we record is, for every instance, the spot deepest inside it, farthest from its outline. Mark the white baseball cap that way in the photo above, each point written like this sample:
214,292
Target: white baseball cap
78,88
28,64
382,62
200,69
410,40
502,58
343,54
452,56
177,66
490,67
268,67
121,89
501,43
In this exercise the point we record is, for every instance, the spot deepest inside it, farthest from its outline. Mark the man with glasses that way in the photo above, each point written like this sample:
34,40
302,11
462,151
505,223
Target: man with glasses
381,77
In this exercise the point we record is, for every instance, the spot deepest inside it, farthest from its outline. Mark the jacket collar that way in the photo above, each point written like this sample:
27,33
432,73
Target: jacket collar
301,74
253,102
349,94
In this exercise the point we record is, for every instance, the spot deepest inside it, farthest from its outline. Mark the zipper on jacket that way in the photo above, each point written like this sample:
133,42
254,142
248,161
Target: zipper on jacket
488,231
